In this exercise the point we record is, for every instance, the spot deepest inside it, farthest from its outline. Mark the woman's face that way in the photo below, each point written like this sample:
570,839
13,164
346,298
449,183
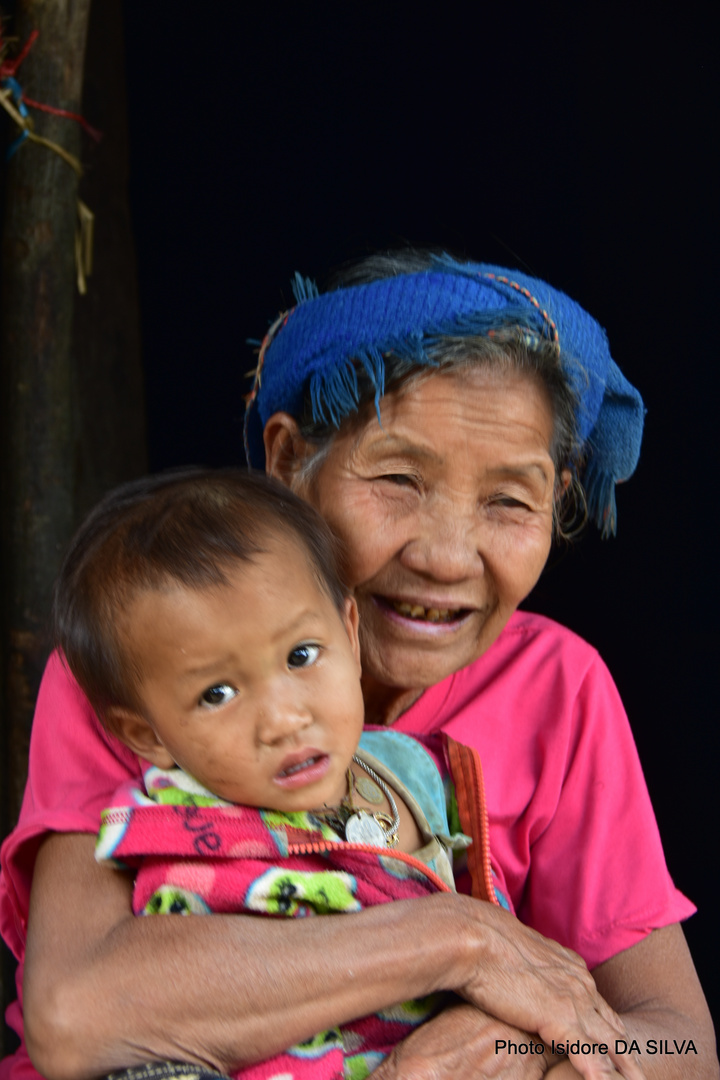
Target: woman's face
445,509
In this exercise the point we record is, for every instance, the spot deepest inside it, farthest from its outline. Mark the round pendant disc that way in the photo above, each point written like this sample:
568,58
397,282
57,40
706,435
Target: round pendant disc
368,790
361,828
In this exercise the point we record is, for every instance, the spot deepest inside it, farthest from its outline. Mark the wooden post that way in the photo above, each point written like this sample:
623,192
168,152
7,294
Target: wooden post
37,431
36,416
72,417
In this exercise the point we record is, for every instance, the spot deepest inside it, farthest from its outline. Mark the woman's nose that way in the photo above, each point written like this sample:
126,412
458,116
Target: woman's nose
447,547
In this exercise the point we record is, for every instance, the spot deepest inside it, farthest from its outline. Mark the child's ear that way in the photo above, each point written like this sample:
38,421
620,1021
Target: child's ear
132,729
351,619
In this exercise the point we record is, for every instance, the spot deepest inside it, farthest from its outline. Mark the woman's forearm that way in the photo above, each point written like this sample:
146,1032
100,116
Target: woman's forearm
673,1045
655,989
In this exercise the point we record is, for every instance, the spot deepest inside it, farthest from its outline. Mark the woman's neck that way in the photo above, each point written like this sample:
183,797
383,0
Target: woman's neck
384,704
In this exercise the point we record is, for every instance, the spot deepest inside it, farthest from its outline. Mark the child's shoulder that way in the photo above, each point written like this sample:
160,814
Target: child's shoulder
395,747
413,765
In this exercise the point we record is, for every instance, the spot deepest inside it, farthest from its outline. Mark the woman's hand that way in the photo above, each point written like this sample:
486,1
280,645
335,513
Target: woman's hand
463,1043
534,984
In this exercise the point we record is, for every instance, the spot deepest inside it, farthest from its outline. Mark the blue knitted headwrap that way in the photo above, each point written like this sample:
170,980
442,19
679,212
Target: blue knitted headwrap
316,345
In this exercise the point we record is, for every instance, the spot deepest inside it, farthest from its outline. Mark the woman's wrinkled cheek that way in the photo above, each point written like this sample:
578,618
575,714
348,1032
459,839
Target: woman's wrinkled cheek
350,511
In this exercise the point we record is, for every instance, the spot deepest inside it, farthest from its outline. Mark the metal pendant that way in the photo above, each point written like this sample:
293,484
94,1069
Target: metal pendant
368,790
362,828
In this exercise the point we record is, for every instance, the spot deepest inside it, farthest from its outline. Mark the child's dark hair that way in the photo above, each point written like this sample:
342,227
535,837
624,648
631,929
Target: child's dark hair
186,526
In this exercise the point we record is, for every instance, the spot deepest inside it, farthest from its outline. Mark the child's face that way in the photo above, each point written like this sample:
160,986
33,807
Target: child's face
253,687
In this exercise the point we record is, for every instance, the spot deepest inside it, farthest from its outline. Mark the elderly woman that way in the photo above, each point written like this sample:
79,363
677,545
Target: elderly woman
439,416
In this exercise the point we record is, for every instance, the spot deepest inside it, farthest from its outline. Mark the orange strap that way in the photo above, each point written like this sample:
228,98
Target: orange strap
467,776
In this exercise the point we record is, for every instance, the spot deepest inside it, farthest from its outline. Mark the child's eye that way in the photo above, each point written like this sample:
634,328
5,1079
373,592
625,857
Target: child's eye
303,656
218,695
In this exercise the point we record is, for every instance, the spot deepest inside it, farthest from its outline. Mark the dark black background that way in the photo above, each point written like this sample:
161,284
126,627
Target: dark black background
574,143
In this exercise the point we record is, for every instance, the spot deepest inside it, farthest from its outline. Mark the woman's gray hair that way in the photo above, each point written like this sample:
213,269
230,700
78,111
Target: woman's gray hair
511,349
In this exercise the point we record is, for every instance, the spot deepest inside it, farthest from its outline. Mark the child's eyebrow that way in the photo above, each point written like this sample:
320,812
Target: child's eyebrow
211,668
302,617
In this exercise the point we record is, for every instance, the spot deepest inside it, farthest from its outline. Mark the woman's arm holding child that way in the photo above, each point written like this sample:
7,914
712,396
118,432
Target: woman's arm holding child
105,990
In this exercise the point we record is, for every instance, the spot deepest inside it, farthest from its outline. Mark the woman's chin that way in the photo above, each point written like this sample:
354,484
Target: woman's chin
408,665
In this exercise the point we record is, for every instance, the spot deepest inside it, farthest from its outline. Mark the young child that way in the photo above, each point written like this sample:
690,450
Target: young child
203,616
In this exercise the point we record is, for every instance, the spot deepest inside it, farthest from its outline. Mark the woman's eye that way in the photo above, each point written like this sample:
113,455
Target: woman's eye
510,502
400,479
303,656
218,695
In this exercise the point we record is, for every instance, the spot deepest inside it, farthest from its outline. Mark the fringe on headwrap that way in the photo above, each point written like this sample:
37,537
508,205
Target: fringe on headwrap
599,487
303,288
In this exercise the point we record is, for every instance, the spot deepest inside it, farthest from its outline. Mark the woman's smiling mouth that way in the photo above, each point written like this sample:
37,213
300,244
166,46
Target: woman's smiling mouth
412,611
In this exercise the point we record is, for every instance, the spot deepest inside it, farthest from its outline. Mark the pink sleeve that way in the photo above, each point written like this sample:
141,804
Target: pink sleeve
73,771
598,880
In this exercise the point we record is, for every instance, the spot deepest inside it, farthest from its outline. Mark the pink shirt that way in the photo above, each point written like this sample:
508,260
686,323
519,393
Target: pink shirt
572,832
573,836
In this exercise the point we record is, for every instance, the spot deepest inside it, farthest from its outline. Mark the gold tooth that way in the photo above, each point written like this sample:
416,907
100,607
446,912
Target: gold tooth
417,610
433,614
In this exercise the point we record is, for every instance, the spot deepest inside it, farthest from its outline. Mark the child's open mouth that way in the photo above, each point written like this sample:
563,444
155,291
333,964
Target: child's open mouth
300,769
292,769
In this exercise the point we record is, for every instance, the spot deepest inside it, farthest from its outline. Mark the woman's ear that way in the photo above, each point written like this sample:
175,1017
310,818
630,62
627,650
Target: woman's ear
132,729
285,448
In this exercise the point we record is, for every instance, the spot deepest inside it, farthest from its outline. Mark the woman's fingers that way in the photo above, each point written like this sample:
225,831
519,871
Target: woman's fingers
565,1071
462,1043
598,1058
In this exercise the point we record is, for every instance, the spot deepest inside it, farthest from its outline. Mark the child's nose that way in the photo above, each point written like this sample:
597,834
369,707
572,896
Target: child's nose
281,717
